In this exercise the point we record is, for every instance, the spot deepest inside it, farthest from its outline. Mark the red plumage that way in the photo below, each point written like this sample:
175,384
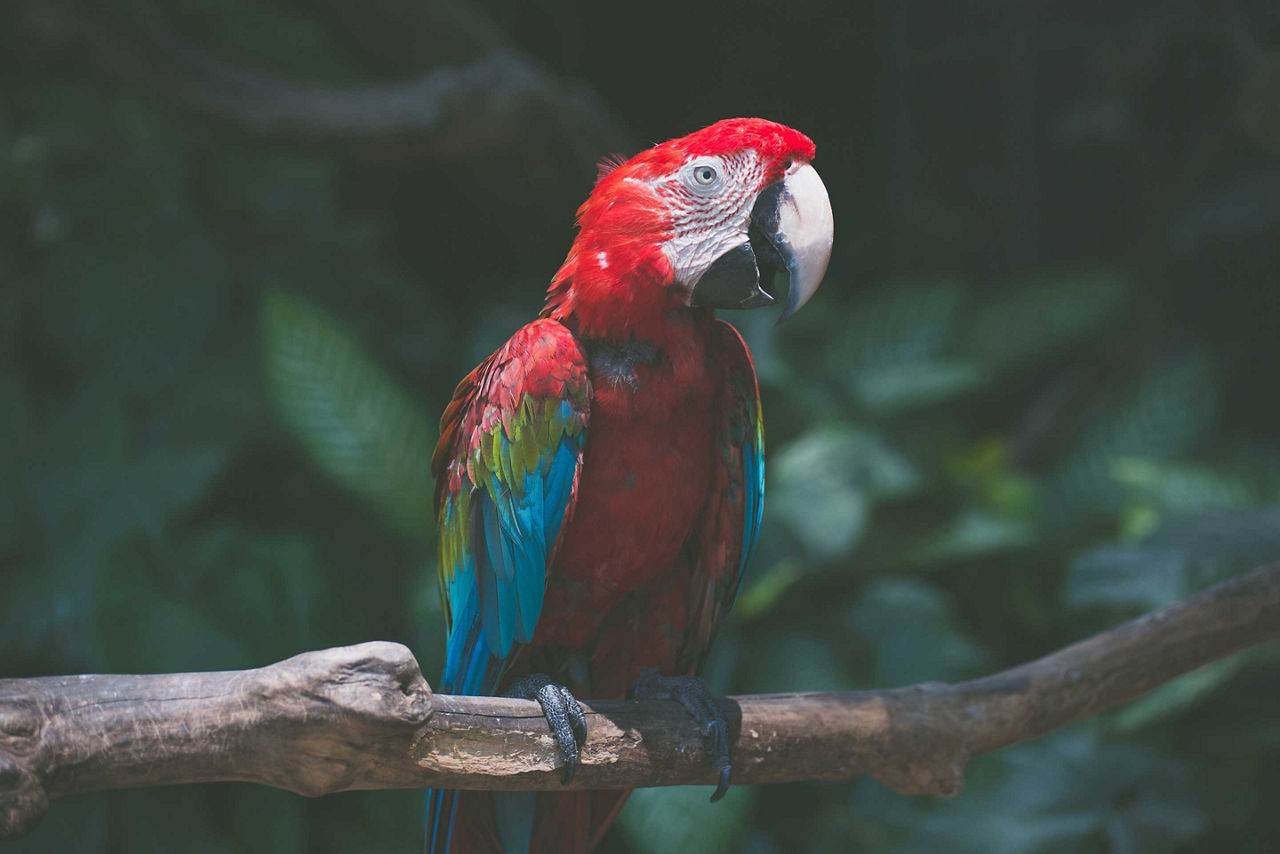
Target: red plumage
651,551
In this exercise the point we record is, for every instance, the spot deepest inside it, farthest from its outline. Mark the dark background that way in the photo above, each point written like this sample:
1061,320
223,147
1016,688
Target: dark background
1037,394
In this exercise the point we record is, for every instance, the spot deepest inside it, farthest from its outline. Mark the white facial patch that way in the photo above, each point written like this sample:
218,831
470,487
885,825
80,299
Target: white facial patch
710,217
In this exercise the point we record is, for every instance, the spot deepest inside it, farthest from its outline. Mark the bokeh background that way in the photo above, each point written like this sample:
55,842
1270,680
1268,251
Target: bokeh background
248,246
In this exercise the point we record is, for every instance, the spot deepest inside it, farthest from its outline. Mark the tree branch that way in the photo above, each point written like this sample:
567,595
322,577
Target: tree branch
362,717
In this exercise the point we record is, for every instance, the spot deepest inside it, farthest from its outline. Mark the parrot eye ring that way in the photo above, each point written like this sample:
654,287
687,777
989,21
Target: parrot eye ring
704,176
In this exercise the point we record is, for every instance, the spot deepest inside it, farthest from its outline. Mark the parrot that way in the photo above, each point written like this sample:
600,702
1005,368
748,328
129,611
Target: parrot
600,477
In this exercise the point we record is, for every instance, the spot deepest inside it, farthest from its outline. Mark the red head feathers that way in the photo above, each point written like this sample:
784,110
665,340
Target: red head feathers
655,224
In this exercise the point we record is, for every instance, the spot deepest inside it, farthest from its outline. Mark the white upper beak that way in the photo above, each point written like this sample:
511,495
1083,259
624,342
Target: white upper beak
805,232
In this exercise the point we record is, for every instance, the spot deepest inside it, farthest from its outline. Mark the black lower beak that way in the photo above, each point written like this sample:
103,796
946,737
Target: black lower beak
790,229
764,227
732,281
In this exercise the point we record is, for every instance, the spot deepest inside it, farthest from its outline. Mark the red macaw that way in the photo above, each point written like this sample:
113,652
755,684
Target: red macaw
600,478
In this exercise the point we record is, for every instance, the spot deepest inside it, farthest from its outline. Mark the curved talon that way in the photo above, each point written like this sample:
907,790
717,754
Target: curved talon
718,736
700,704
563,713
723,786
577,719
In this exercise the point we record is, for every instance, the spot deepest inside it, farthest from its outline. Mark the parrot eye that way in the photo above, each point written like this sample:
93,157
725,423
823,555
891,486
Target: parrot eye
704,176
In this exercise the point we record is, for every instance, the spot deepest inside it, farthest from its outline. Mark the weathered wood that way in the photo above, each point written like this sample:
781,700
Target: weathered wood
916,740
316,723
362,717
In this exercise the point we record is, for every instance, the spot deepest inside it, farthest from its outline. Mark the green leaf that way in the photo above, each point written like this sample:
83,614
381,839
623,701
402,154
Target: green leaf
1182,556
972,533
764,589
1138,577
1163,417
1098,797
358,426
1041,314
795,659
892,389
679,818
1180,487
823,484
164,483
1177,696
913,635
902,322
890,355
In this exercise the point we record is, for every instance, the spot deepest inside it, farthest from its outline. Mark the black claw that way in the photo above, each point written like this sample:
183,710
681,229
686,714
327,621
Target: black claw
577,720
723,786
701,706
563,713
718,740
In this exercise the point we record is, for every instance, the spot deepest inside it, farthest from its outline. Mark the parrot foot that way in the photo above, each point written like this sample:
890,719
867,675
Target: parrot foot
563,713
691,693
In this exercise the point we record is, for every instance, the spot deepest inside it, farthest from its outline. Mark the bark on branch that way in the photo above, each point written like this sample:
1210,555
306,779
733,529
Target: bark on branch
362,717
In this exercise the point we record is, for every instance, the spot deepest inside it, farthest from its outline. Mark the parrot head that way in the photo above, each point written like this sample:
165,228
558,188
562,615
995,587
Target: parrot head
701,221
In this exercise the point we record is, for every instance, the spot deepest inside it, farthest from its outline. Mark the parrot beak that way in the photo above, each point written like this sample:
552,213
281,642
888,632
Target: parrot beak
791,229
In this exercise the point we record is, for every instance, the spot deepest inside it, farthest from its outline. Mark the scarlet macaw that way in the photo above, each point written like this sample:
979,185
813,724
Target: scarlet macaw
600,478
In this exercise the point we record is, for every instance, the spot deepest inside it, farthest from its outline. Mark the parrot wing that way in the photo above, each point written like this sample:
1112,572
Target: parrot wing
731,520
506,470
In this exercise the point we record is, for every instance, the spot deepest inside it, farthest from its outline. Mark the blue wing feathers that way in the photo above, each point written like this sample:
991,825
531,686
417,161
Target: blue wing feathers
511,537
530,579
515,813
493,573
559,487
506,468
732,533
753,481
496,594
752,509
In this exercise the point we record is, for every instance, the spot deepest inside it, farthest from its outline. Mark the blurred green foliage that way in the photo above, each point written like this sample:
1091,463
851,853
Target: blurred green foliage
220,365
